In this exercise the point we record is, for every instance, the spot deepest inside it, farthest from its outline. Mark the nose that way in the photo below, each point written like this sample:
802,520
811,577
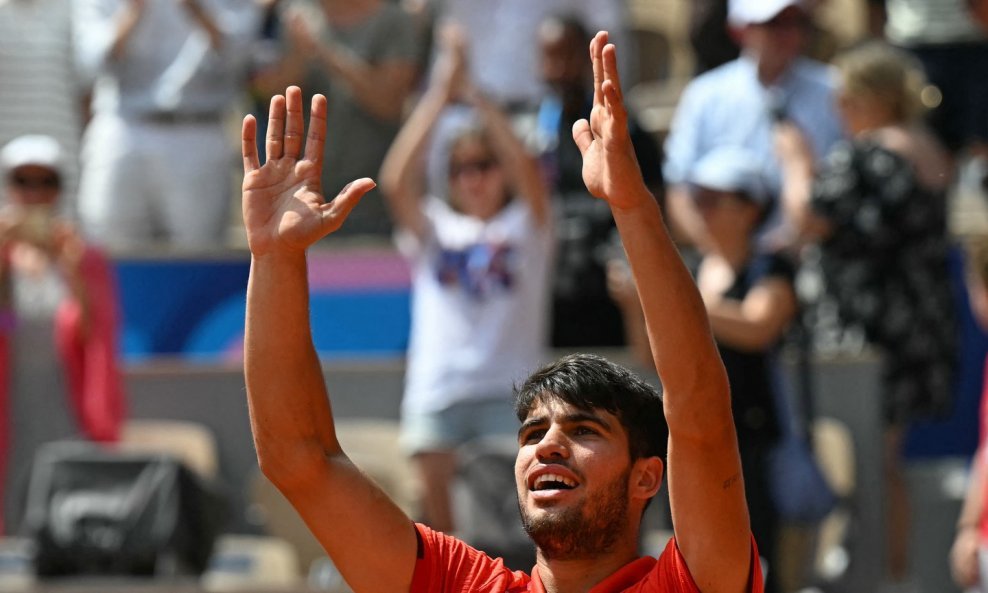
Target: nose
553,445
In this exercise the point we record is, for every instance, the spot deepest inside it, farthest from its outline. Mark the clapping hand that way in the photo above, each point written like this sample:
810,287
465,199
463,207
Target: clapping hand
283,205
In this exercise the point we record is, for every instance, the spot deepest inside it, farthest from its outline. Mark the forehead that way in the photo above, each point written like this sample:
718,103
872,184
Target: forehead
549,408
33,171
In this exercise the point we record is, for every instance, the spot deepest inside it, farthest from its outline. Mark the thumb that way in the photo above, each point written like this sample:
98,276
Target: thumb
582,135
335,211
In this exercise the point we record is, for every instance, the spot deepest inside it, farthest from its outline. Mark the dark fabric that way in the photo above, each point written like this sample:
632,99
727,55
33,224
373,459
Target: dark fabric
750,373
885,266
756,416
962,116
583,312
712,44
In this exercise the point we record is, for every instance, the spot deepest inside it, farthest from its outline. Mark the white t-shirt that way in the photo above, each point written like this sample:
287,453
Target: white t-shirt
479,304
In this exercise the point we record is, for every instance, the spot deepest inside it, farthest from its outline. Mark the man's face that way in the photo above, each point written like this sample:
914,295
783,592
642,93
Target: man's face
776,43
572,473
32,185
563,60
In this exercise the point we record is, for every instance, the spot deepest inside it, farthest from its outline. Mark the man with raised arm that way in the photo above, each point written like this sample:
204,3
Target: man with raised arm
592,437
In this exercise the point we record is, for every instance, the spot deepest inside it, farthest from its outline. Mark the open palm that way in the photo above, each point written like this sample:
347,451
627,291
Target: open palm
283,205
609,164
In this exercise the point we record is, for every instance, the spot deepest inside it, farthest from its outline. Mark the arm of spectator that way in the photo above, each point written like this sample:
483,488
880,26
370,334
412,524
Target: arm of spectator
370,540
705,484
522,168
102,29
380,88
403,170
758,321
798,173
622,290
204,20
967,540
685,222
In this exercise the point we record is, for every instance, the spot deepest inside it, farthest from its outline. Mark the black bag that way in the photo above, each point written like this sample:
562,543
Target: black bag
98,512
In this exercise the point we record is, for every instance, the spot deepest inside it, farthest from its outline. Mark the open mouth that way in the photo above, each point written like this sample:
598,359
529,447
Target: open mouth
552,482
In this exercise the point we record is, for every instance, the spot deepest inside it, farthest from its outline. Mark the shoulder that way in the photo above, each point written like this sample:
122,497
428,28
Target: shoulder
671,574
716,79
446,564
816,74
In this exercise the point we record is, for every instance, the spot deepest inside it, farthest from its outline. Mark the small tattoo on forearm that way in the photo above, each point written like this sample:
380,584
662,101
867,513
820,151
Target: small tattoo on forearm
732,480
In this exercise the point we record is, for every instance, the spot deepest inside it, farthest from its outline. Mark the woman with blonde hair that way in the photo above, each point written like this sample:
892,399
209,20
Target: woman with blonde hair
877,208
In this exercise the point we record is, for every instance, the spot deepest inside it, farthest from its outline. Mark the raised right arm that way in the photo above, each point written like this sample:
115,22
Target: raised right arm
368,537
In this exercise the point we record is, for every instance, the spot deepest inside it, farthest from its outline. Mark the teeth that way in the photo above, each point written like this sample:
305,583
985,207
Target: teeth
553,478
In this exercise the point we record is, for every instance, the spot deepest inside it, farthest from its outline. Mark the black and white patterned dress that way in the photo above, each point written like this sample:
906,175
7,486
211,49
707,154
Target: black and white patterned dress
885,265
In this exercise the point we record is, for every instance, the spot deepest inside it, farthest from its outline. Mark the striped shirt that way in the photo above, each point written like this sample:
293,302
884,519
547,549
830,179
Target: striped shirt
39,90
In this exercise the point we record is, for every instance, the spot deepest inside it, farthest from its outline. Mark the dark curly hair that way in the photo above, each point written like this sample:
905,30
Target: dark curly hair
590,382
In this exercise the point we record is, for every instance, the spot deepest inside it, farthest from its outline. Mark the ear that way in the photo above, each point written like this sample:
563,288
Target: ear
646,477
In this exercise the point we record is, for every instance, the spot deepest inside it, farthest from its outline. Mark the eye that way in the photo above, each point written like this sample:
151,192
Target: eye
585,430
532,436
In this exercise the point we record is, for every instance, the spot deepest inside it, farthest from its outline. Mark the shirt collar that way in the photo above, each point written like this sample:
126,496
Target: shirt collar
622,579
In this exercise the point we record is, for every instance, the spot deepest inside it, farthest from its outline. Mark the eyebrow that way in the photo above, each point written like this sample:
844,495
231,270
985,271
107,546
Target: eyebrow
574,418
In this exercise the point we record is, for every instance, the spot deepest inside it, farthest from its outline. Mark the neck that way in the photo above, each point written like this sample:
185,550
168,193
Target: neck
582,574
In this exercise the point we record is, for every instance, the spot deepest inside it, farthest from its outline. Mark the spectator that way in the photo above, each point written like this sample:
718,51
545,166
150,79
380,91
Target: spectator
41,93
878,208
584,227
480,266
504,39
709,37
770,81
750,301
58,348
951,46
165,72
364,55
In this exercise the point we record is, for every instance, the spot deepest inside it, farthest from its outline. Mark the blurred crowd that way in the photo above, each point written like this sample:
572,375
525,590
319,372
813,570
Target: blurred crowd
807,183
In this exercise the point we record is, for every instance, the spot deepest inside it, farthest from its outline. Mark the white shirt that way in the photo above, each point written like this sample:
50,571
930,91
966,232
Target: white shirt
168,63
479,304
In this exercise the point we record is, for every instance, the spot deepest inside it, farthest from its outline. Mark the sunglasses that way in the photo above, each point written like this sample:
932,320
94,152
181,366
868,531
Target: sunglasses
788,22
478,166
35,181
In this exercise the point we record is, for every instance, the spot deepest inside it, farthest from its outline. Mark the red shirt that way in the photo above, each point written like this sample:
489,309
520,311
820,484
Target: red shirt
447,565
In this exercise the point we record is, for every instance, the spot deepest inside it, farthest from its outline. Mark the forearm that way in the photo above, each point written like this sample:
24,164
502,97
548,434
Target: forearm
402,172
970,517
382,93
522,169
732,328
290,412
205,21
683,349
126,22
685,223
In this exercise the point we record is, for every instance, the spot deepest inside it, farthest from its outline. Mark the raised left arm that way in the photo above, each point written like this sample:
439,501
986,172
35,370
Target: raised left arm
706,488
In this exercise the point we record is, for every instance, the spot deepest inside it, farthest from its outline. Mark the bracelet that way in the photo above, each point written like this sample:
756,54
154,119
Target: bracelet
965,525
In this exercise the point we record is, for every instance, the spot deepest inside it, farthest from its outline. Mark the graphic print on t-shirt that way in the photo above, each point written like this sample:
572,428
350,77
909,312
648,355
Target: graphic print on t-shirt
480,269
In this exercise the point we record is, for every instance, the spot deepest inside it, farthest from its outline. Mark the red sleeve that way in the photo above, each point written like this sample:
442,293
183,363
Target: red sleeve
89,355
672,575
447,565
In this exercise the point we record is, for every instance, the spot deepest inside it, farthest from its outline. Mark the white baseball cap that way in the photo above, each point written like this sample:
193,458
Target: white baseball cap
732,169
32,149
753,12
